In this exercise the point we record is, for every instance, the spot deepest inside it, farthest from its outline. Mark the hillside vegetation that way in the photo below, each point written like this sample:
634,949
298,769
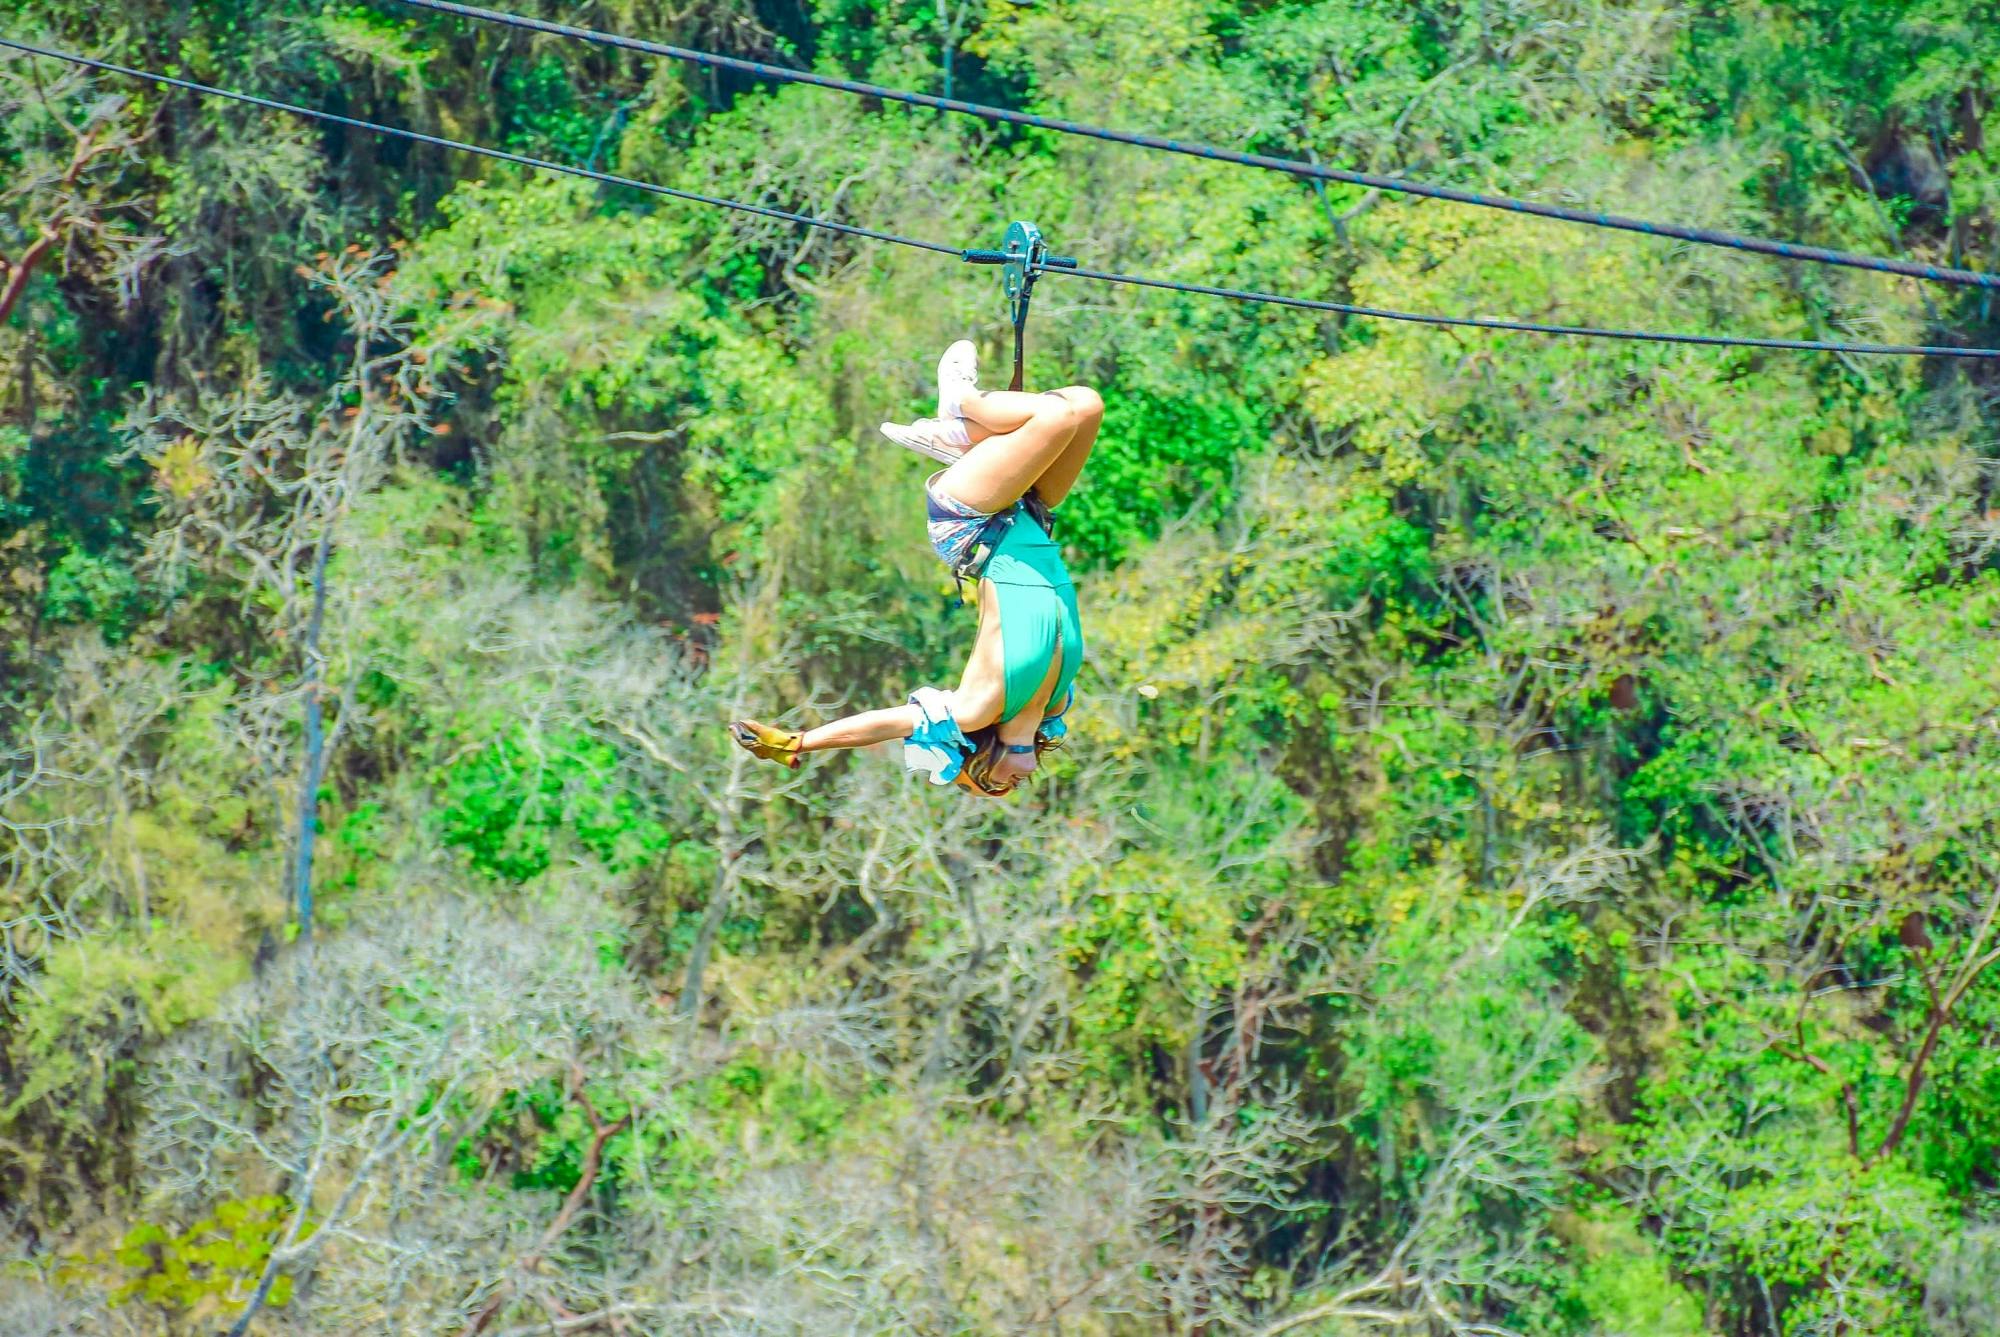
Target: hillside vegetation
1525,862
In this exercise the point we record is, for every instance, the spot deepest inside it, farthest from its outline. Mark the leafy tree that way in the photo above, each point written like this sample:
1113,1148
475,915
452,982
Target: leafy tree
1522,865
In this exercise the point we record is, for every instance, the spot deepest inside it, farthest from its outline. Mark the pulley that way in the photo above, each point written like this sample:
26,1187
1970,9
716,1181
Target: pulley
1023,257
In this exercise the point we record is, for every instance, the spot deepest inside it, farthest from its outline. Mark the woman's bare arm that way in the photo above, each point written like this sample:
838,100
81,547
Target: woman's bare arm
863,730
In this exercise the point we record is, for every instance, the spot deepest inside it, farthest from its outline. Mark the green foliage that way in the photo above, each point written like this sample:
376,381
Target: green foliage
97,590
1463,1019
14,446
76,1043
782,1103
212,1266
1958,1292
506,801
1173,932
1162,454
1856,1245
551,120
1623,1288
1155,957
363,36
100,1003
1518,777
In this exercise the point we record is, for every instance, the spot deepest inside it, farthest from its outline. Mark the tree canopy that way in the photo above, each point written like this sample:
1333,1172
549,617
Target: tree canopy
1525,862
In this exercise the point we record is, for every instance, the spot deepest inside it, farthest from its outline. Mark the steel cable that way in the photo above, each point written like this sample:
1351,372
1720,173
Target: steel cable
1291,166
873,234
503,155
1527,326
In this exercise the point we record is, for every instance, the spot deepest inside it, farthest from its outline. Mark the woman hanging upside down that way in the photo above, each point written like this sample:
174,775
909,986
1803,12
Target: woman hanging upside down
1011,458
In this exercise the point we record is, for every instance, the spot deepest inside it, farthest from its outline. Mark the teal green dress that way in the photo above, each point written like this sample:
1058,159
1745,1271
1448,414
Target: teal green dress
1037,610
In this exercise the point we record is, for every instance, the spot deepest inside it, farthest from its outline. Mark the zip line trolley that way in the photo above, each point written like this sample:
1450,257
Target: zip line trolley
1023,257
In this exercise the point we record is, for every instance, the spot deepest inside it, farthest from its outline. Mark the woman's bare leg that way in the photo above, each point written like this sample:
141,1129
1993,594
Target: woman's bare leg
999,411
1061,475
1003,411
998,471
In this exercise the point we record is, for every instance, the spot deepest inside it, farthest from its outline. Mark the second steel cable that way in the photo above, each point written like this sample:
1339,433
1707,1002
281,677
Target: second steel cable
502,155
873,234
1528,326
1311,171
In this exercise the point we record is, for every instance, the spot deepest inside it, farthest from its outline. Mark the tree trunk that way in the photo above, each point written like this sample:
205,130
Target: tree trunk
731,872
21,271
315,763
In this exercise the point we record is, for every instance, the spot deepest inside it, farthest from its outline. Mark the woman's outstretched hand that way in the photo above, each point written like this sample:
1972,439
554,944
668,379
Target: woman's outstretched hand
767,743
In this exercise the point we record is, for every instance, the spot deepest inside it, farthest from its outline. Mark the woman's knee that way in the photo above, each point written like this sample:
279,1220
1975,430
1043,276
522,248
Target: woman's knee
1088,403
1061,411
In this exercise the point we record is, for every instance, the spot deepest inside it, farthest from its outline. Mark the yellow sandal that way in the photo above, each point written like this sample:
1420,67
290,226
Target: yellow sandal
768,744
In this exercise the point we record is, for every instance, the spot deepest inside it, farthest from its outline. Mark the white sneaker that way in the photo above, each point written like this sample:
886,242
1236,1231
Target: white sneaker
958,376
944,442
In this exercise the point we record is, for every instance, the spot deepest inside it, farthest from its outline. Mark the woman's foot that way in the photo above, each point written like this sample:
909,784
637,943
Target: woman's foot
957,377
944,442
768,744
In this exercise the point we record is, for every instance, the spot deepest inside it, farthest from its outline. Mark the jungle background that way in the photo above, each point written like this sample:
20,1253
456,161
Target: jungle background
1525,862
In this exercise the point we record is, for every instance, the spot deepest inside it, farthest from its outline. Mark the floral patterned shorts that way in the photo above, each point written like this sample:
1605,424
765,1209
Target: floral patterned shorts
954,526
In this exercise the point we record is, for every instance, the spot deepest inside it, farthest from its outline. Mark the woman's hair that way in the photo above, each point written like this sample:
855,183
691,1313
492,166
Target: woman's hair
987,750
